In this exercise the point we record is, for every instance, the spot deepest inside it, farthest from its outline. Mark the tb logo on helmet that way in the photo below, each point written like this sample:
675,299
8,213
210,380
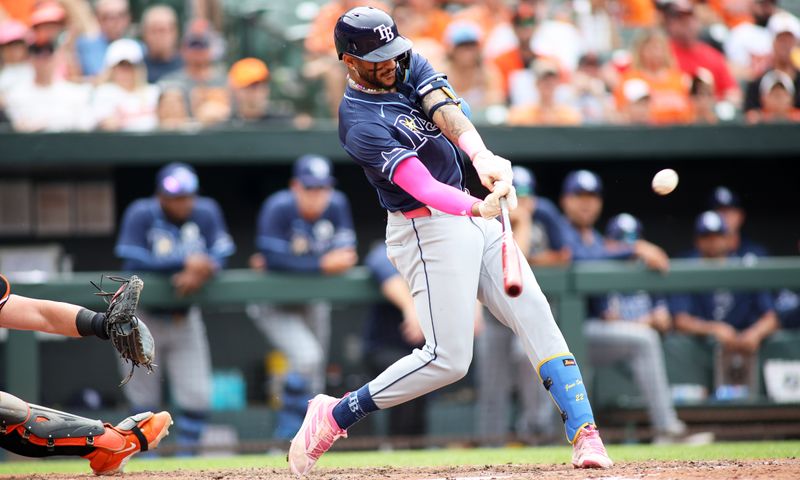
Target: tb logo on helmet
385,32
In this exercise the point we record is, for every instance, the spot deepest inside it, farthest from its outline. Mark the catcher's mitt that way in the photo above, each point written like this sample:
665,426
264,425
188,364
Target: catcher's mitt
129,335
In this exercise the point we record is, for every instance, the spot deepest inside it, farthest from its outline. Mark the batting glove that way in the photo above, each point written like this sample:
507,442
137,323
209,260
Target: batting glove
492,168
489,208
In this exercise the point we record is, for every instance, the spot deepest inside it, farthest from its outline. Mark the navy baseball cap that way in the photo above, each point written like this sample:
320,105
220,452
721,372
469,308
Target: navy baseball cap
723,197
582,181
177,179
524,181
314,171
624,227
709,223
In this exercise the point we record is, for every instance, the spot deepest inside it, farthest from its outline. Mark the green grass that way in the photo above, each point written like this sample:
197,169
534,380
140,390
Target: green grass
542,455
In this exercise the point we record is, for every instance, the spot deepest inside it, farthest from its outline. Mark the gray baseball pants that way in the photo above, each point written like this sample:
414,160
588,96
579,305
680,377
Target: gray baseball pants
640,347
448,262
182,352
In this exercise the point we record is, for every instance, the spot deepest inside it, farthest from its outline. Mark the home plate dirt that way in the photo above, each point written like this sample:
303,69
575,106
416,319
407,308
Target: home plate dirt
783,469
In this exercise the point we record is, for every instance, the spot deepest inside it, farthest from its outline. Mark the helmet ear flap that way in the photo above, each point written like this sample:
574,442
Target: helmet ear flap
403,67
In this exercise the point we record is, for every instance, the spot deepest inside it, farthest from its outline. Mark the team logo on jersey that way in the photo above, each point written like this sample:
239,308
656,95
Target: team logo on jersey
300,245
416,129
323,231
385,32
163,246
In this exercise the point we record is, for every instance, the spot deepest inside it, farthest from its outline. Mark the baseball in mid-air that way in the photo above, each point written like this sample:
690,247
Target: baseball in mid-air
665,181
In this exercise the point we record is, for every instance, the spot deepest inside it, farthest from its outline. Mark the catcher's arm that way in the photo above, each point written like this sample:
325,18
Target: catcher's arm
129,335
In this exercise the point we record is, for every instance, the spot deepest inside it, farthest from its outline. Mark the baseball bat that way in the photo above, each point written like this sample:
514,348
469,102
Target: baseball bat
512,271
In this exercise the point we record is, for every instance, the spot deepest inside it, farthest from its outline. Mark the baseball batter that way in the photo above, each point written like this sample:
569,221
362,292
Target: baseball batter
402,123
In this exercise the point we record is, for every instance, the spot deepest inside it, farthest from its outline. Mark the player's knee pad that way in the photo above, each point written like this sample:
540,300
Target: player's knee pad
37,431
562,378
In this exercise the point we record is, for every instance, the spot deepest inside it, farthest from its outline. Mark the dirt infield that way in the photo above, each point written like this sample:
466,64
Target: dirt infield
783,469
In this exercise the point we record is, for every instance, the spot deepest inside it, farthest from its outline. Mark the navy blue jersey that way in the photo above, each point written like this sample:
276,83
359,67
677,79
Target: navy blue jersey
149,241
382,328
594,249
381,130
291,243
750,248
626,306
787,305
738,309
550,219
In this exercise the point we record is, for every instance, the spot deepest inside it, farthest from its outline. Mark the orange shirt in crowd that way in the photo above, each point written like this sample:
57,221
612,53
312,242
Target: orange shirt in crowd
638,13
19,9
508,63
532,115
320,36
731,18
669,96
432,26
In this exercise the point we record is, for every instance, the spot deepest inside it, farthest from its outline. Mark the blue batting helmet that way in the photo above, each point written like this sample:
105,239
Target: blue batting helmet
369,34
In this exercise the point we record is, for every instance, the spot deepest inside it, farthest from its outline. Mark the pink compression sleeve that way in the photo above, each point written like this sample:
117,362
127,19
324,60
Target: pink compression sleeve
412,176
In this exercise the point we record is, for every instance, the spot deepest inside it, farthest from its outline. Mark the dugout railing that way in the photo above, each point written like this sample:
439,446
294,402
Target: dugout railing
568,290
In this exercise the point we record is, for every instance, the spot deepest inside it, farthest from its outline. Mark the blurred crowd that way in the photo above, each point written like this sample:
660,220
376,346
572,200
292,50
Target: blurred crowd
79,65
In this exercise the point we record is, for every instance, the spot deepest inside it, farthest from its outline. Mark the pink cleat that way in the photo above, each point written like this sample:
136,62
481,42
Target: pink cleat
316,435
588,450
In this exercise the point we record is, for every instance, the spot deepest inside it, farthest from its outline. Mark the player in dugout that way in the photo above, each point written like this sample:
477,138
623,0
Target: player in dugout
402,123
35,431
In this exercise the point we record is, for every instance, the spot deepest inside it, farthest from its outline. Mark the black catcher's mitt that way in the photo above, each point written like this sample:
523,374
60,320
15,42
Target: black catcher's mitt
129,335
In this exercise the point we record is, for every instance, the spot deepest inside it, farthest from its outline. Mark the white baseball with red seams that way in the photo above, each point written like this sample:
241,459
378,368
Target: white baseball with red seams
665,181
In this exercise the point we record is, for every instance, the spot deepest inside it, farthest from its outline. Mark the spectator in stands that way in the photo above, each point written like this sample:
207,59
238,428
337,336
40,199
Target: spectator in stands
15,67
582,202
785,29
625,328
321,61
307,228
182,235
203,81
592,96
729,206
736,321
113,20
173,110
478,82
493,19
637,106
48,103
557,39
19,10
249,81
503,367
690,53
704,101
421,20
638,13
747,46
48,21
517,59
549,110
777,99
391,331
597,25
667,85
160,37
125,101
